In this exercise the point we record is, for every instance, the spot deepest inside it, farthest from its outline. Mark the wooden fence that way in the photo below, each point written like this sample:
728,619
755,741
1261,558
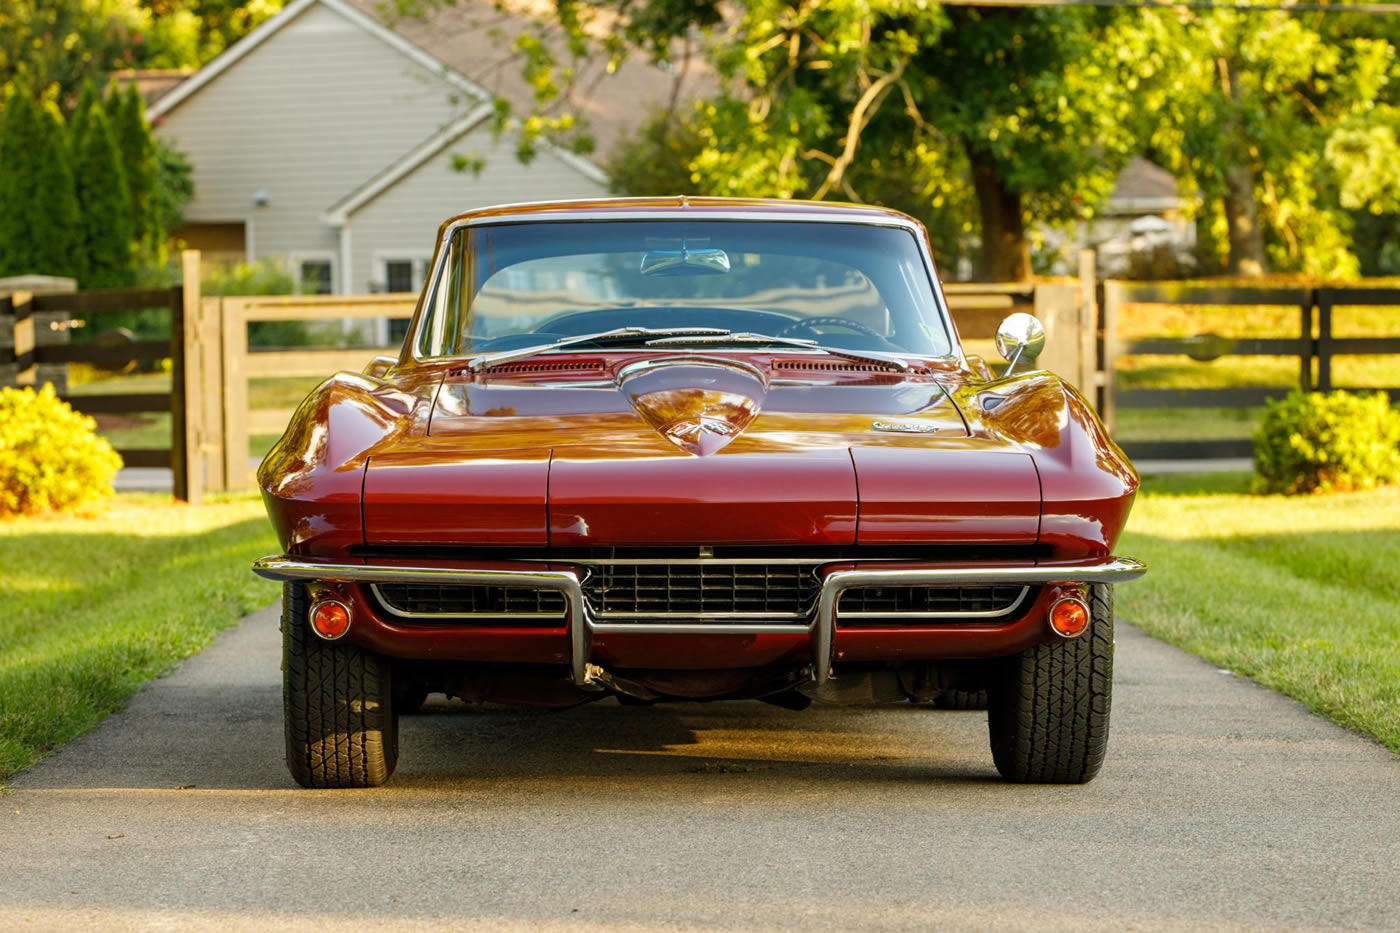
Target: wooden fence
213,360
1314,345
34,348
239,362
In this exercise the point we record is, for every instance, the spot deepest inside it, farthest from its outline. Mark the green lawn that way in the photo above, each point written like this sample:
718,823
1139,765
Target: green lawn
97,605
1300,594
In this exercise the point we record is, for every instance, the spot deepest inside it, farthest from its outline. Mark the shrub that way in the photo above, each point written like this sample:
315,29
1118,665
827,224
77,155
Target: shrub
1311,442
50,455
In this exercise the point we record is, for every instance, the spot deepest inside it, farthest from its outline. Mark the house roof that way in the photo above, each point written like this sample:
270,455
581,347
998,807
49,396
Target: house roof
151,83
470,43
338,214
476,38
1144,184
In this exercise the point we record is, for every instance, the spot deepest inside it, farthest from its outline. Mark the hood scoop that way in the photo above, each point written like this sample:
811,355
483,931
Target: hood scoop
700,405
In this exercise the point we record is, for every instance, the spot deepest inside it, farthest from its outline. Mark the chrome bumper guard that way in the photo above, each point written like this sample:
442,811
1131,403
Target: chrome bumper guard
821,629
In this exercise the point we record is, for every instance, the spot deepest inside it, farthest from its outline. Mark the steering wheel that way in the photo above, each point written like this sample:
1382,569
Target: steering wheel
809,325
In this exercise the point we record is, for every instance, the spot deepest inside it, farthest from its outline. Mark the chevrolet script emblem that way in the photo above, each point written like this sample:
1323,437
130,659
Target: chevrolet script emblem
905,427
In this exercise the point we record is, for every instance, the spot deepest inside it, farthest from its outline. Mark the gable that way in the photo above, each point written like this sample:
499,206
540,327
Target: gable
309,112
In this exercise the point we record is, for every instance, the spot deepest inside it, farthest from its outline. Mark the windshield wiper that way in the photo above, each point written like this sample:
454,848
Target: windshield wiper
617,335
749,338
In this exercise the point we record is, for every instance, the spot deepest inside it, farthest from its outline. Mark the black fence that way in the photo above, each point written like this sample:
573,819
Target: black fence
1315,347
34,336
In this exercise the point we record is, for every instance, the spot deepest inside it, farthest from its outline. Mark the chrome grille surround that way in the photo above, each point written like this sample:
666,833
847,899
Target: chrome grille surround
879,605
476,602
821,629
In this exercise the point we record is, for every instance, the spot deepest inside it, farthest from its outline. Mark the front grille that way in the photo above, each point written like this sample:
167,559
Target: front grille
756,591
879,605
435,599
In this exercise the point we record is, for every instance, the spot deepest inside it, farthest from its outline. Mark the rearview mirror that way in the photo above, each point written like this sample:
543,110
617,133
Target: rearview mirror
1020,338
685,262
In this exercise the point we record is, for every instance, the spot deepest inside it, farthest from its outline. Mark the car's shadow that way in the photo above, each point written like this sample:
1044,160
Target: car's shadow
232,739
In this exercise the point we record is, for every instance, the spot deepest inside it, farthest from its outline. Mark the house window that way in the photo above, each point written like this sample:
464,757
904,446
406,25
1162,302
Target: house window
398,275
315,276
402,275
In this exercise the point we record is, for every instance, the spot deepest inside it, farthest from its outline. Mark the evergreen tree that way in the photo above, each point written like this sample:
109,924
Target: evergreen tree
133,135
104,206
21,153
77,123
56,200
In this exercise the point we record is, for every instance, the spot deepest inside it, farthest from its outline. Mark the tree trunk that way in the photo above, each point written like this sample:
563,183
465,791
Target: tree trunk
1247,256
1005,254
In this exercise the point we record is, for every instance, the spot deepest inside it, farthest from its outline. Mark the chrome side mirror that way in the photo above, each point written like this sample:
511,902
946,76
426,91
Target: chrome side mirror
380,365
1020,338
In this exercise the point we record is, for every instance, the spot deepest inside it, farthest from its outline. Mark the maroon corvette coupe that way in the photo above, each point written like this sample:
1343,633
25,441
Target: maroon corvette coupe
691,449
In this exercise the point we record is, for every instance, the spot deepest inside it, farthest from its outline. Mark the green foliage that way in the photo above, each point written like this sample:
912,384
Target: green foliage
1303,104
173,189
268,277
138,153
105,207
97,605
38,212
1310,443
78,123
54,46
50,456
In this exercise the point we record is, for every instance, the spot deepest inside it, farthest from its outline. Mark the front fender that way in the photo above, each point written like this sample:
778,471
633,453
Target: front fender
1087,483
313,478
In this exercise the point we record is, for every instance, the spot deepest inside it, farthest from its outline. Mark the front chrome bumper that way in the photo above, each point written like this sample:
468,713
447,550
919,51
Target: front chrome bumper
581,625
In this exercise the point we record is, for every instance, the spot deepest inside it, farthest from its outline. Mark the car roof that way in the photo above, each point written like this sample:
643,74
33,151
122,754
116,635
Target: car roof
685,206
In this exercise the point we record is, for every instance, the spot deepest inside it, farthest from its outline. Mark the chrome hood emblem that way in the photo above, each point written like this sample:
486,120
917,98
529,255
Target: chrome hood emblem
699,405
905,427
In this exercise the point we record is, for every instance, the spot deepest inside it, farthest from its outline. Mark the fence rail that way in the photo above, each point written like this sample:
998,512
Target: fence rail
1315,348
36,319
213,361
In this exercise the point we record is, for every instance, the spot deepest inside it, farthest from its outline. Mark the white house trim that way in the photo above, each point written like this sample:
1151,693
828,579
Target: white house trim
240,49
339,213
295,259
347,277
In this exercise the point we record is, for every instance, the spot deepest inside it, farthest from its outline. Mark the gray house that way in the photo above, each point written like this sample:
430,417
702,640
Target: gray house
326,139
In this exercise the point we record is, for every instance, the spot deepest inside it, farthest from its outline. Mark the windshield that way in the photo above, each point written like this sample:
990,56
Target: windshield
847,286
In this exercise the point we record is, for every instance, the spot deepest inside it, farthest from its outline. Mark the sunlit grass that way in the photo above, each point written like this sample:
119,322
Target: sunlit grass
96,605
1298,593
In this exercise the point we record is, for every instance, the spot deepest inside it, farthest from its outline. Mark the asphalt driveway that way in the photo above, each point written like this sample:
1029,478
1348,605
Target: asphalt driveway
1222,805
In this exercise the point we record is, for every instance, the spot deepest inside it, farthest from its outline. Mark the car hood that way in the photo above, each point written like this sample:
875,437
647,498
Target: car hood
698,451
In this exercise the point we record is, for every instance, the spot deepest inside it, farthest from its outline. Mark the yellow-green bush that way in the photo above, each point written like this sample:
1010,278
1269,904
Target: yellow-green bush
1315,442
50,456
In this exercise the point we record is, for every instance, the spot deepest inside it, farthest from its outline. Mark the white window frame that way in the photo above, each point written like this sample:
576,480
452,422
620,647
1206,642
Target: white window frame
421,259
294,261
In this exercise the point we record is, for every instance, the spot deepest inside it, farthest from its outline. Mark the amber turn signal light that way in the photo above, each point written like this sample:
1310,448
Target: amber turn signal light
1069,617
330,619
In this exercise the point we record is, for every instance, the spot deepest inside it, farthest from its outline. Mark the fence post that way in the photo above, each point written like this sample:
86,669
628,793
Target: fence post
1323,345
235,362
1057,307
185,379
1108,318
9,367
22,329
211,392
1088,377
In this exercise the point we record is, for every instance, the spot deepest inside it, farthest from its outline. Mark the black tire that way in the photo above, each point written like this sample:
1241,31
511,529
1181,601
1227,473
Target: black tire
1047,711
961,699
342,730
